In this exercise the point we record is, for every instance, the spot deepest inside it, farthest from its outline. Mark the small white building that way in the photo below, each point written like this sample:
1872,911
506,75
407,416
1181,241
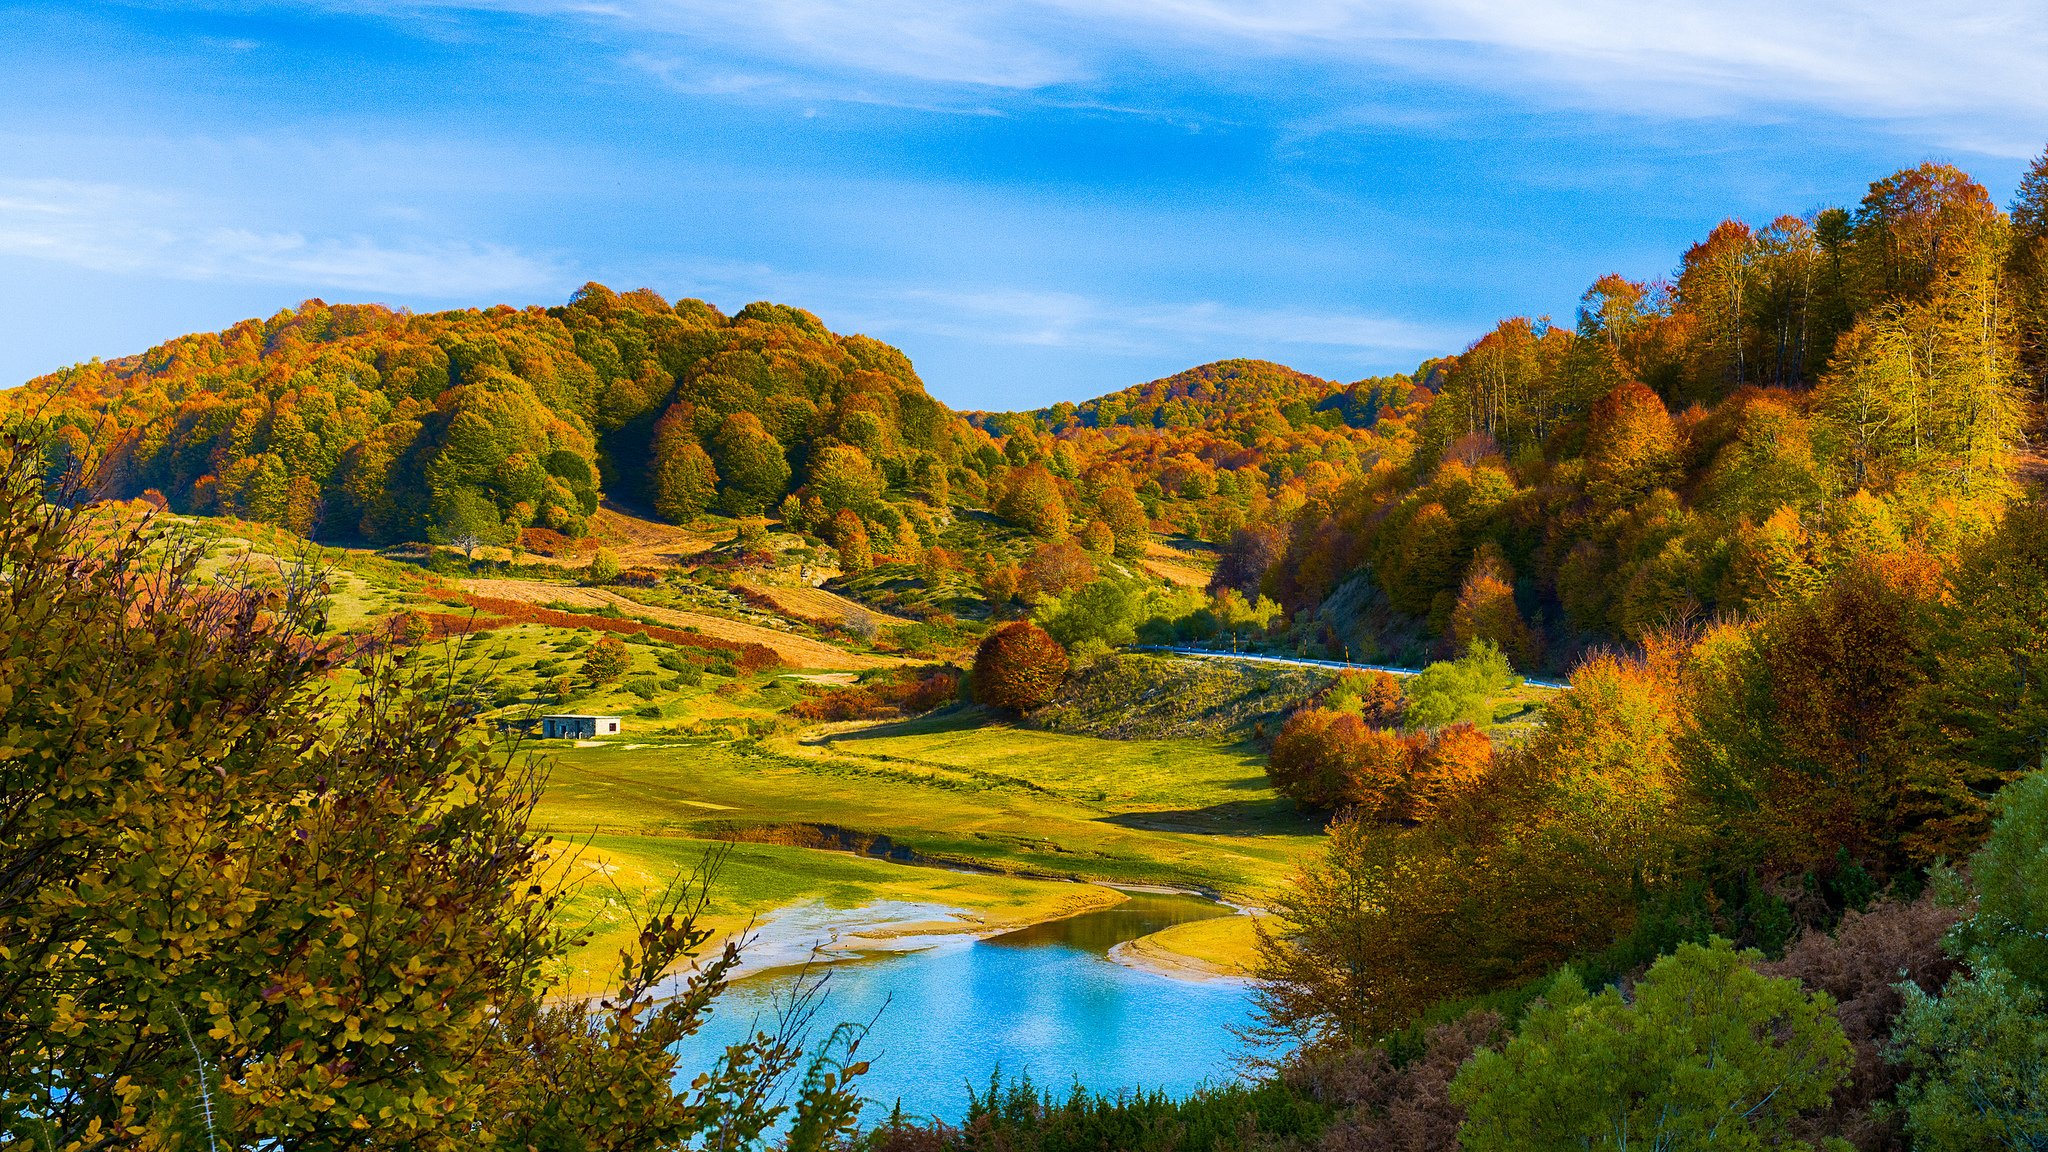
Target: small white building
578,727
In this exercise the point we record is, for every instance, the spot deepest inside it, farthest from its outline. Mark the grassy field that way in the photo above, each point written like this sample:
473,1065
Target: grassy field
1034,807
1139,812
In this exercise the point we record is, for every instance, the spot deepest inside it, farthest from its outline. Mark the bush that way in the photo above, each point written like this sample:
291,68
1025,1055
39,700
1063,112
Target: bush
606,661
1018,667
603,568
1707,1051
1331,760
1451,691
1977,1054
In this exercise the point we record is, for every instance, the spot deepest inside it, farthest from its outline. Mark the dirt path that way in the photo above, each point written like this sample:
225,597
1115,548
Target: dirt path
796,651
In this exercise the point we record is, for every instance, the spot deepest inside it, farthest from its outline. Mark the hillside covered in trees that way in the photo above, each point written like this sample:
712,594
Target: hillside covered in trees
1848,383
358,422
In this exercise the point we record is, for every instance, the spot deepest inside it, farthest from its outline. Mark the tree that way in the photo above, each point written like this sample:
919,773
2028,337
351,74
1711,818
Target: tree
1486,610
1246,558
1119,508
1331,969
1097,616
1707,1053
751,463
1459,691
1057,568
607,660
2027,265
1631,446
1331,760
2010,928
603,568
843,476
1451,762
1978,1062
850,539
1031,500
1018,667
1097,539
683,481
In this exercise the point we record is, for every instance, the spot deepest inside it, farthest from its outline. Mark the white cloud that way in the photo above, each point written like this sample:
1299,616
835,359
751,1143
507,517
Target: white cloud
114,228
1967,73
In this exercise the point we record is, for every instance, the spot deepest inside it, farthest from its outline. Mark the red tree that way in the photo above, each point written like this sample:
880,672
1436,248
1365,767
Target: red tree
1018,667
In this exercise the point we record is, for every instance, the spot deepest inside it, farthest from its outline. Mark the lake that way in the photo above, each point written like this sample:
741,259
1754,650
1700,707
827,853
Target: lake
1044,1001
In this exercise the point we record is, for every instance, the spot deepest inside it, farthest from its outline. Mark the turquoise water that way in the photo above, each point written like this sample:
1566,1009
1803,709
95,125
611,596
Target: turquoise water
1045,1001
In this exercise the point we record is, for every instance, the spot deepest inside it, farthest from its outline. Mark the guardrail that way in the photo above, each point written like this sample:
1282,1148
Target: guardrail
1306,662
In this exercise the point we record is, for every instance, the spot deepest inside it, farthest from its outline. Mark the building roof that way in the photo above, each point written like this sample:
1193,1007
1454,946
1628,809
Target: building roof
577,716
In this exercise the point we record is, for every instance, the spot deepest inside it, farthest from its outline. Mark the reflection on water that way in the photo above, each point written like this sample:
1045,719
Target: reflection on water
1044,1001
1105,928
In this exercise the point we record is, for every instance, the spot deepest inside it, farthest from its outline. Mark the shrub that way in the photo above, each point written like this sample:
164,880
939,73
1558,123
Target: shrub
606,661
1706,1051
1018,667
1976,1053
1451,691
1331,760
603,568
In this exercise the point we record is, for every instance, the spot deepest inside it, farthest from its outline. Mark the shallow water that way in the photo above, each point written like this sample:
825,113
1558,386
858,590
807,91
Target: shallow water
1044,1001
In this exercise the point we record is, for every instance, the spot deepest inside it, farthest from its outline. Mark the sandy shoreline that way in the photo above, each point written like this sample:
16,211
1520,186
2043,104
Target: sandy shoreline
798,935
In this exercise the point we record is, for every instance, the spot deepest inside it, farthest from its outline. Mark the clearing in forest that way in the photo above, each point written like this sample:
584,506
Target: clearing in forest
795,651
1173,566
820,606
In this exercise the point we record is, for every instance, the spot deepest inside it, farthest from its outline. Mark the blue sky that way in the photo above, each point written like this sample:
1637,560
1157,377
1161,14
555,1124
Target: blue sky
1037,199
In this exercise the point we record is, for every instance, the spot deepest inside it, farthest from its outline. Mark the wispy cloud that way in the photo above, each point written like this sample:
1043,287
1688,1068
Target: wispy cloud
115,228
1967,73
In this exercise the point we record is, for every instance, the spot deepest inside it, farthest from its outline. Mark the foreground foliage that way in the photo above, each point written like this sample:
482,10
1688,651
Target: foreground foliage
1706,1053
235,911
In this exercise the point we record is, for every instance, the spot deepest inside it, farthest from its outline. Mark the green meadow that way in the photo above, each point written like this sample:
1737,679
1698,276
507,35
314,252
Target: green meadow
1029,812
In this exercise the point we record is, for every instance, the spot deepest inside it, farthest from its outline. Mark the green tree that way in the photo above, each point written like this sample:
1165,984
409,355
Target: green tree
845,477
1707,1053
603,568
1099,615
606,661
2010,872
1462,690
751,465
683,481
1977,1058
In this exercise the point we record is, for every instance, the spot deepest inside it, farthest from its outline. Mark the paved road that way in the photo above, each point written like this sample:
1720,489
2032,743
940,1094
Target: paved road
1305,662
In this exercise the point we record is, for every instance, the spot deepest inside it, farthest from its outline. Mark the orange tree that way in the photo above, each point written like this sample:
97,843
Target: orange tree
1018,667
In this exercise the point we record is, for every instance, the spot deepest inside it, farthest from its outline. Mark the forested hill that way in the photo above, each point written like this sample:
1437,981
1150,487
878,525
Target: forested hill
1234,397
357,421
1798,398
